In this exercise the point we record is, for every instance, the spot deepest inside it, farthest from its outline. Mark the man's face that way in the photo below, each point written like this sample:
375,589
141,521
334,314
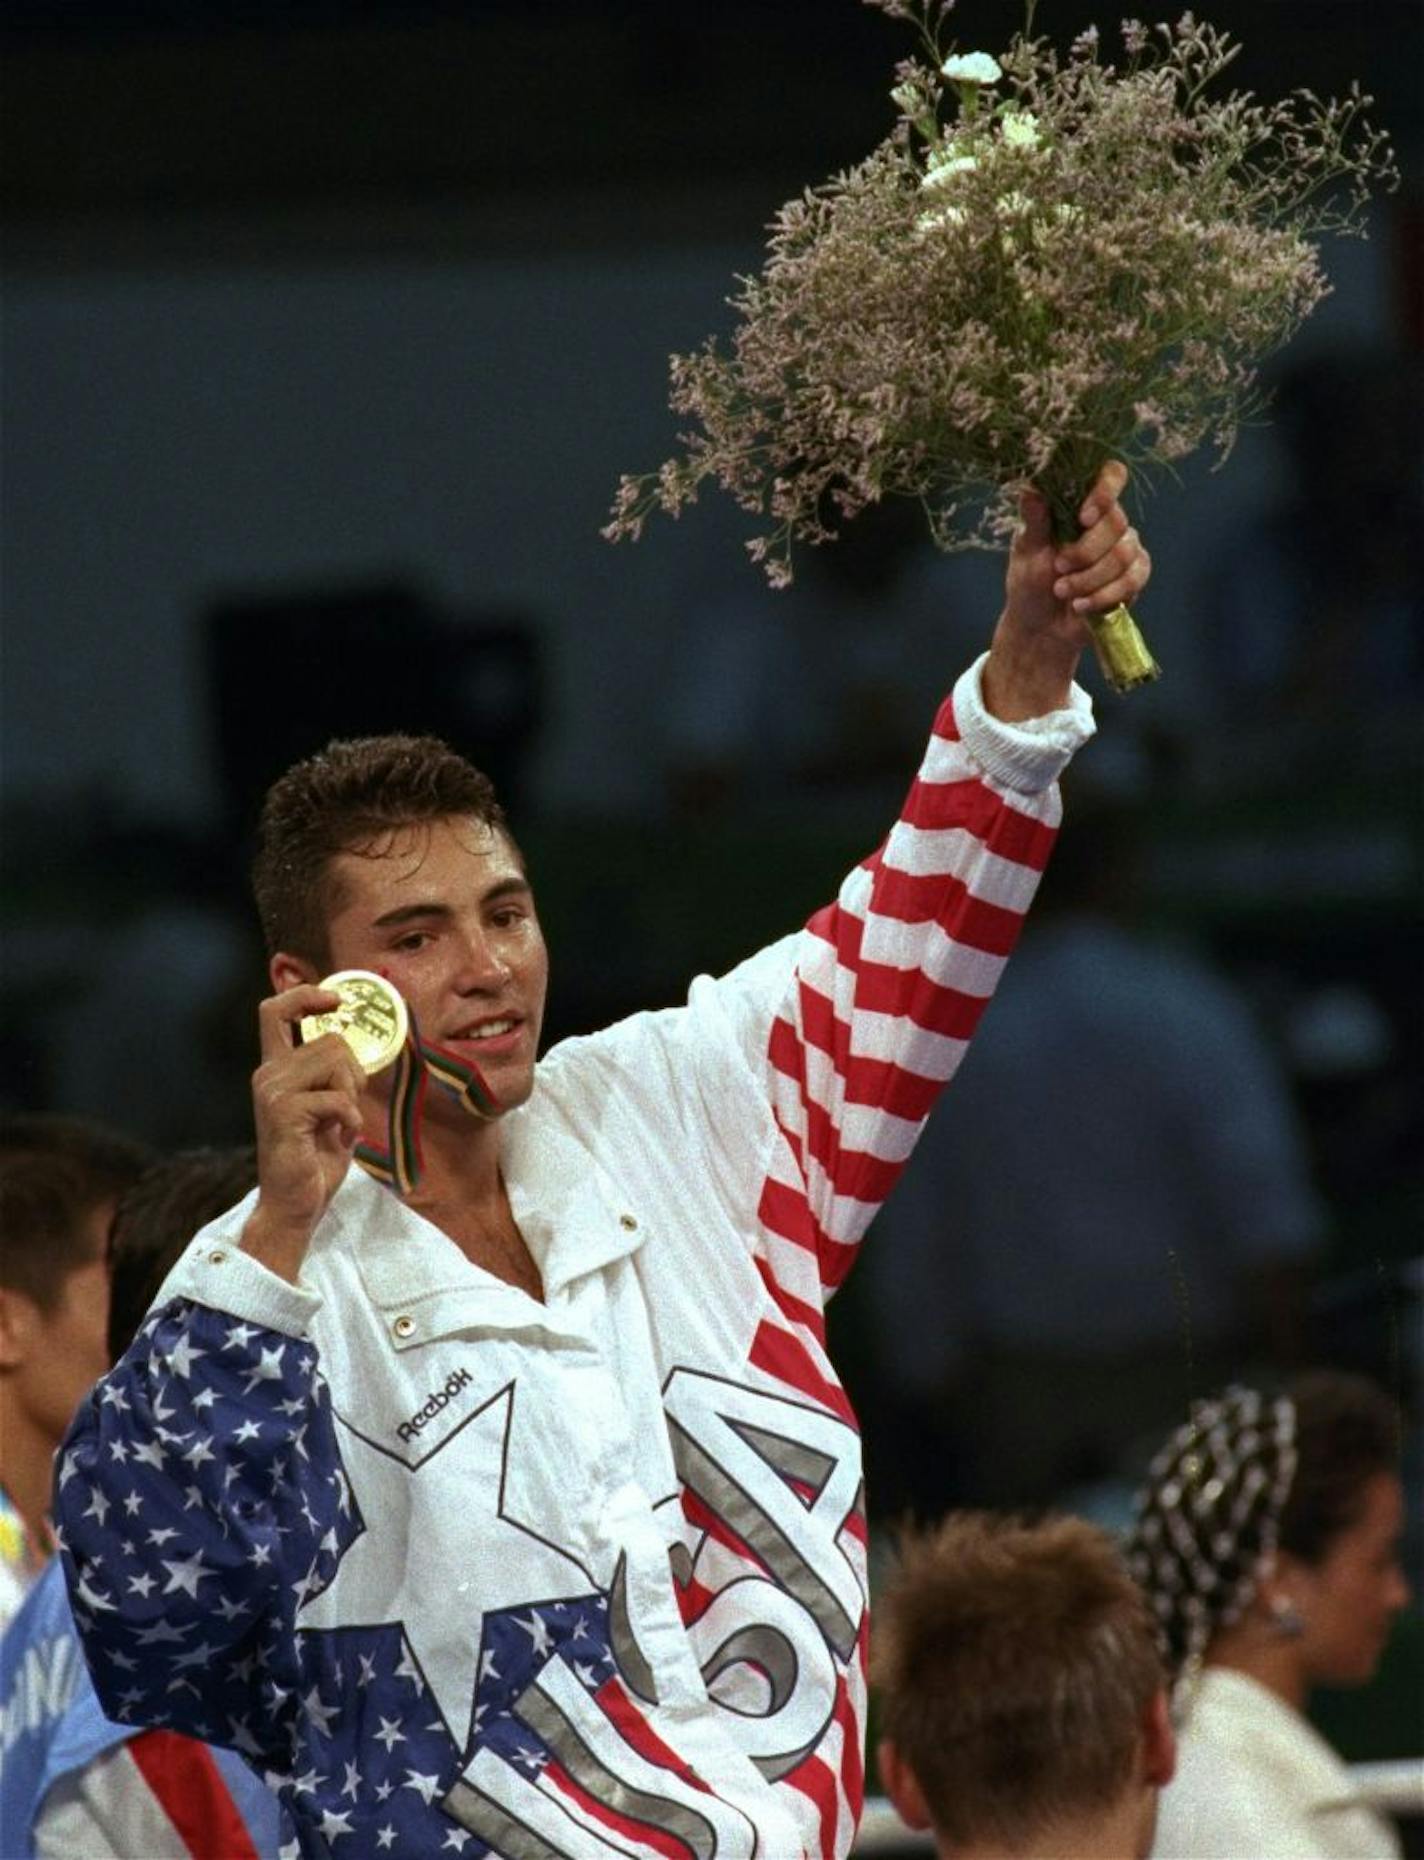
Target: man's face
66,1348
444,910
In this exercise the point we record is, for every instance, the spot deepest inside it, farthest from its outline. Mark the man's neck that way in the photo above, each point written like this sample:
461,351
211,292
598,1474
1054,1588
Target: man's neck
26,1470
1122,1832
461,1191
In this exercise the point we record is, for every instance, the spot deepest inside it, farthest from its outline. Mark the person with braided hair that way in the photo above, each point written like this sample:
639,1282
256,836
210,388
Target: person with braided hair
1267,1542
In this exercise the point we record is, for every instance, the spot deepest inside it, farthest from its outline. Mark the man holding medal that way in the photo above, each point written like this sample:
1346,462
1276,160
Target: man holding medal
497,1494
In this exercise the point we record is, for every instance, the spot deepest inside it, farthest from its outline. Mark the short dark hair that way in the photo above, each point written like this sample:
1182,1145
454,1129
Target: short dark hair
350,798
157,1218
1016,1663
54,1172
1347,1432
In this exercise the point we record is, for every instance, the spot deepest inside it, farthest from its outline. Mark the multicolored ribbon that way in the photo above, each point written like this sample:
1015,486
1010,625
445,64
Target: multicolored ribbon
400,1164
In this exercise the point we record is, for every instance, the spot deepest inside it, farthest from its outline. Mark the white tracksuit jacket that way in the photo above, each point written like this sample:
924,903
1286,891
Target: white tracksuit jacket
464,1572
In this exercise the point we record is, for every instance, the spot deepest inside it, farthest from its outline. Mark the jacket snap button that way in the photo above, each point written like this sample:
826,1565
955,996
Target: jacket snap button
404,1327
627,1223
217,1256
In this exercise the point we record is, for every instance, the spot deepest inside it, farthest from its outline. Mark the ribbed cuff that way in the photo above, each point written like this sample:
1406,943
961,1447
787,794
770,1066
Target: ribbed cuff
1026,757
215,1271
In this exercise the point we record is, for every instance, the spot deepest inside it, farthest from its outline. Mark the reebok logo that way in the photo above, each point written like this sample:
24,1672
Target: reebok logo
441,1398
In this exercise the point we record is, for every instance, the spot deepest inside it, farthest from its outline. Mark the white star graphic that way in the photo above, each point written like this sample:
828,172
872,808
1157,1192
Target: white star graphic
159,1632
248,1431
457,1838
149,1452
320,1715
182,1357
424,1786
140,1585
242,1738
98,1506
158,1538
539,1635
122,1660
91,1598
422,1522
113,1396
351,1783
186,1574
390,1733
195,1656
333,1824
198,1453
383,1790
204,1399
117,1450
269,1368
230,1610
238,1337
133,1504
385,1836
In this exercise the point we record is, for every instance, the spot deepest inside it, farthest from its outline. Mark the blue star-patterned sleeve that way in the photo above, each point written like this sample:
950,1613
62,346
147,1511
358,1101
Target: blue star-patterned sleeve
199,1496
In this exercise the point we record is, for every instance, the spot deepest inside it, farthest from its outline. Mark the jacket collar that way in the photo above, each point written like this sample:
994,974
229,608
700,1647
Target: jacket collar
573,1219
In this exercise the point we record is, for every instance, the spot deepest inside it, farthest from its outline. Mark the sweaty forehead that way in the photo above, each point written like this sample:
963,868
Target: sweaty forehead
428,853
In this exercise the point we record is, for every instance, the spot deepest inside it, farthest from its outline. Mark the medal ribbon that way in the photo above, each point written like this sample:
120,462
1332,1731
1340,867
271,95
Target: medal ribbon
400,1164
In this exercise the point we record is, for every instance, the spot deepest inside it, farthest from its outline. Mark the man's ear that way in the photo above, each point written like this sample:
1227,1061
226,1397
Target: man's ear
1159,1743
901,1786
287,971
19,1323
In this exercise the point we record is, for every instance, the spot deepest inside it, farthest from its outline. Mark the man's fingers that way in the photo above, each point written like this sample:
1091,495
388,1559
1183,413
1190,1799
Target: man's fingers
1120,591
324,1064
1114,561
278,1015
333,1107
1034,520
1110,485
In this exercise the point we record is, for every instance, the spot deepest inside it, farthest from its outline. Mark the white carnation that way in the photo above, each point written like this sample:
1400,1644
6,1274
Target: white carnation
1020,129
972,68
943,168
928,224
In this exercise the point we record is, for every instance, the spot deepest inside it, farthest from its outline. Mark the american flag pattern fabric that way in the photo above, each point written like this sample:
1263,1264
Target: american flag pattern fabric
460,1571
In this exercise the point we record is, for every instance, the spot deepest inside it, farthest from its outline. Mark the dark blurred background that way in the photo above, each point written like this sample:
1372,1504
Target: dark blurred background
327,332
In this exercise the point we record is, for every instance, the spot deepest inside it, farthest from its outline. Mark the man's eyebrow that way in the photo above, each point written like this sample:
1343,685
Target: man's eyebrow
407,913
433,910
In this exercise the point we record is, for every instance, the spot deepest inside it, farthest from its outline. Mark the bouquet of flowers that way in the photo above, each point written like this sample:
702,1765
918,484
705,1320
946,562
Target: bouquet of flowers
1051,260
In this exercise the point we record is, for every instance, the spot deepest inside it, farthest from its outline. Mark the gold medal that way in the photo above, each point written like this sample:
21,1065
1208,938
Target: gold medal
372,1018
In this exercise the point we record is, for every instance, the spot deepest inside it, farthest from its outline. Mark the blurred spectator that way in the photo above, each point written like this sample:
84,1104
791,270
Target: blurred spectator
816,694
1112,1198
74,1782
1023,1701
59,1180
1267,1540
1316,629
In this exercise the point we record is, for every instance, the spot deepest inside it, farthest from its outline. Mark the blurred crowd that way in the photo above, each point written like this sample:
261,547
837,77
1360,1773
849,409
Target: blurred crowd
1182,1155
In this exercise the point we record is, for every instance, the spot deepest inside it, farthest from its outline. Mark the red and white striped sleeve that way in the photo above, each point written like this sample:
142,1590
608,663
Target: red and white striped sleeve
891,979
